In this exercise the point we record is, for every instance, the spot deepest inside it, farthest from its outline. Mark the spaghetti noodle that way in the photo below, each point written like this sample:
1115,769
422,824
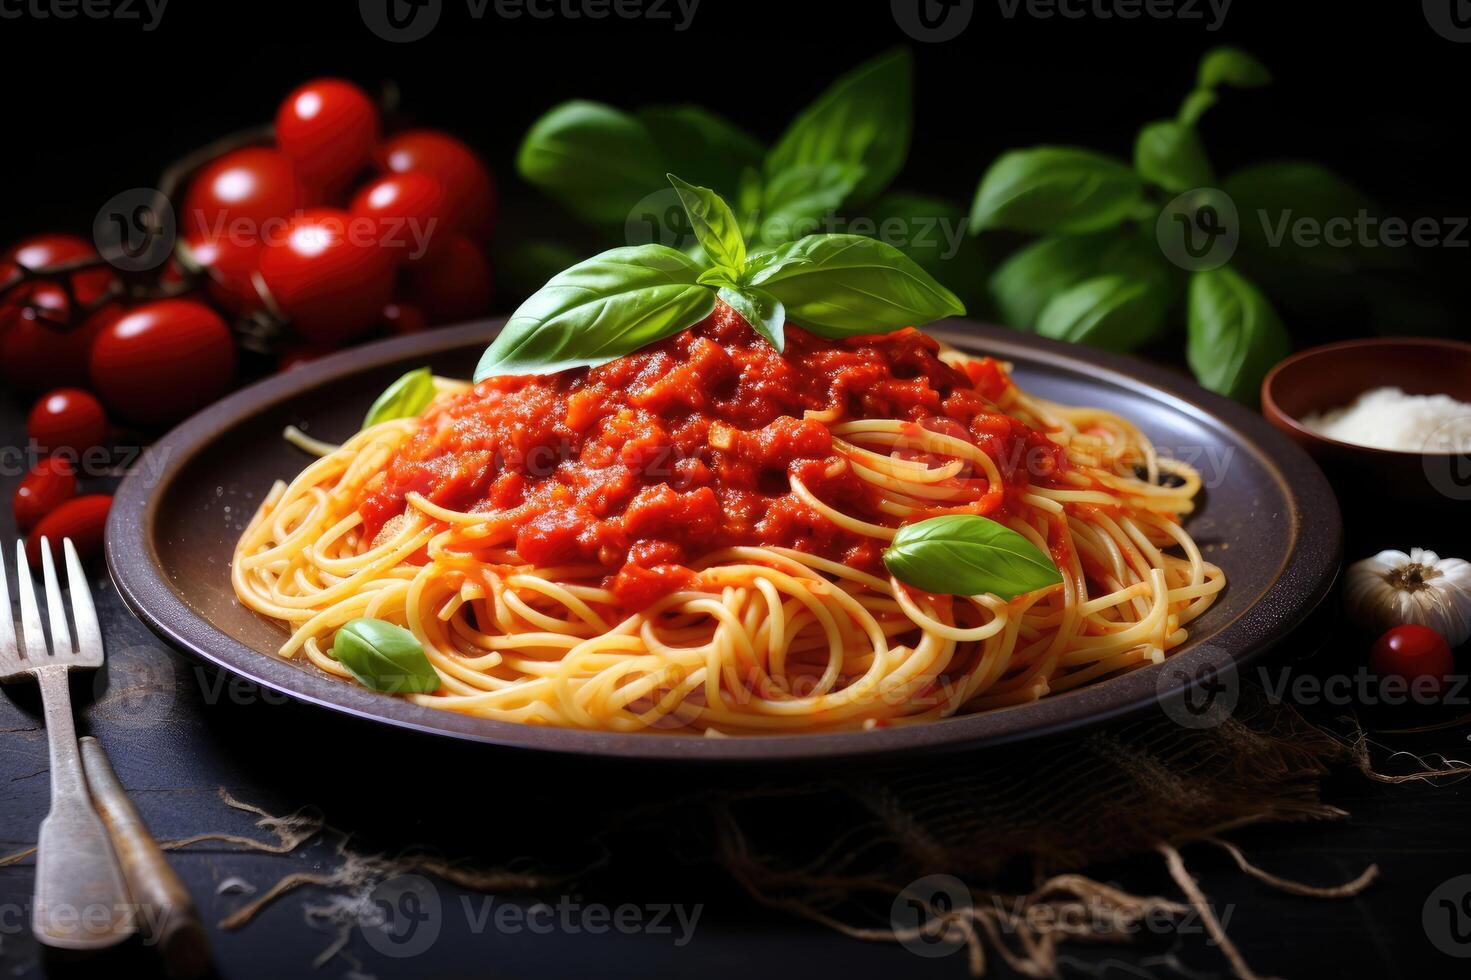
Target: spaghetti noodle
556,571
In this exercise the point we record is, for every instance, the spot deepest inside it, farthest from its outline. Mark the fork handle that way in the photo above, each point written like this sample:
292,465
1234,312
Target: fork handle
81,901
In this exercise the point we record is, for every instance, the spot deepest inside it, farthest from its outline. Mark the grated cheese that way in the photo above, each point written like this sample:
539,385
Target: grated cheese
1387,418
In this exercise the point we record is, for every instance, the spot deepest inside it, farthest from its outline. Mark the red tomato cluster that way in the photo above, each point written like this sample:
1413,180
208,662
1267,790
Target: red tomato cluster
338,229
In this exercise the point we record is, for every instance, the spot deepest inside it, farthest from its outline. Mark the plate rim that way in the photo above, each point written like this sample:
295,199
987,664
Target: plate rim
1304,579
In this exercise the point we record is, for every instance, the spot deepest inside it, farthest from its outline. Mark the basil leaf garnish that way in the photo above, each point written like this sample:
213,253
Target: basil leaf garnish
384,657
965,554
1055,189
602,308
715,225
1170,154
405,398
843,285
599,162
1234,334
1231,66
863,118
763,311
1113,312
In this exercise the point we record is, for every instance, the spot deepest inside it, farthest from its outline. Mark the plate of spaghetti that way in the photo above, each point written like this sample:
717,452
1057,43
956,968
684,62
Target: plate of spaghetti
778,524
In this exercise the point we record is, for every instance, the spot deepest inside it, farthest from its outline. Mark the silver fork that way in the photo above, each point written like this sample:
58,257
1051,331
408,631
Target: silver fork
81,901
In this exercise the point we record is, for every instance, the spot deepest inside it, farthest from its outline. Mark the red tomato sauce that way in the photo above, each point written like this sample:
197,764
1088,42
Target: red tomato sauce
647,463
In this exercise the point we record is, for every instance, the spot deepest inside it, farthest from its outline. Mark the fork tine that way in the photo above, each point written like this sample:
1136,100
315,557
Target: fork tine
30,616
61,636
8,650
89,633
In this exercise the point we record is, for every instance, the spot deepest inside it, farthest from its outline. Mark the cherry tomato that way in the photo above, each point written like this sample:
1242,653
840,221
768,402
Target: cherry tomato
454,286
411,213
37,350
83,519
467,183
229,265
329,278
67,418
1411,651
46,250
327,128
163,360
404,318
48,485
236,198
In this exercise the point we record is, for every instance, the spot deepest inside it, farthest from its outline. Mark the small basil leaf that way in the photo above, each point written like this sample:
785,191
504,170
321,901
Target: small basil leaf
599,162
1027,281
602,308
714,224
842,285
763,311
864,118
717,277
384,657
965,554
1234,334
795,201
1113,312
1195,105
1055,189
1170,154
694,141
1231,66
406,397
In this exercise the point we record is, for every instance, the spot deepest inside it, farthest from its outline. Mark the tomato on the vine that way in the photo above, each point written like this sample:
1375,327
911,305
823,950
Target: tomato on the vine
67,418
234,199
83,519
229,265
157,363
38,350
331,279
411,213
454,286
40,251
327,128
48,485
1412,651
466,181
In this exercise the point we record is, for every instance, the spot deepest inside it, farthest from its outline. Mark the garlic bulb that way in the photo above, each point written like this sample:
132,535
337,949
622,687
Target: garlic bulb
1394,588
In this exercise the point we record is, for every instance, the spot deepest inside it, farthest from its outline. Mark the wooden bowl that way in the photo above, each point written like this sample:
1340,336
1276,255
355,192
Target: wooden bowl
1332,376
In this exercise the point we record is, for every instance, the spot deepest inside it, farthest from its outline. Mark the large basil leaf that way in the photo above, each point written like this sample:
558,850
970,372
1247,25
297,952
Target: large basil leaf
1113,312
863,119
763,311
715,225
1170,154
796,200
384,657
964,554
696,142
1234,334
932,232
607,306
596,160
1026,282
1231,66
1055,189
842,285
405,398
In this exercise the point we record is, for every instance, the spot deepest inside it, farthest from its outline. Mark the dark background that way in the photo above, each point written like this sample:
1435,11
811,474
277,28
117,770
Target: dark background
96,107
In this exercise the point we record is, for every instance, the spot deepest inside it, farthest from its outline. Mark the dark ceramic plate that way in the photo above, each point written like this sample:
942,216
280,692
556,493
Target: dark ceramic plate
1268,518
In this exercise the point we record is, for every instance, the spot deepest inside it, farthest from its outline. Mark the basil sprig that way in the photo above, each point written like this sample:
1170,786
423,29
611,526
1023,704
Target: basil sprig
965,554
384,657
623,299
405,398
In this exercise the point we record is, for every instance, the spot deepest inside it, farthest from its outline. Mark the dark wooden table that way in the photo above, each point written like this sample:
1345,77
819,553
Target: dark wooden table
178,735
